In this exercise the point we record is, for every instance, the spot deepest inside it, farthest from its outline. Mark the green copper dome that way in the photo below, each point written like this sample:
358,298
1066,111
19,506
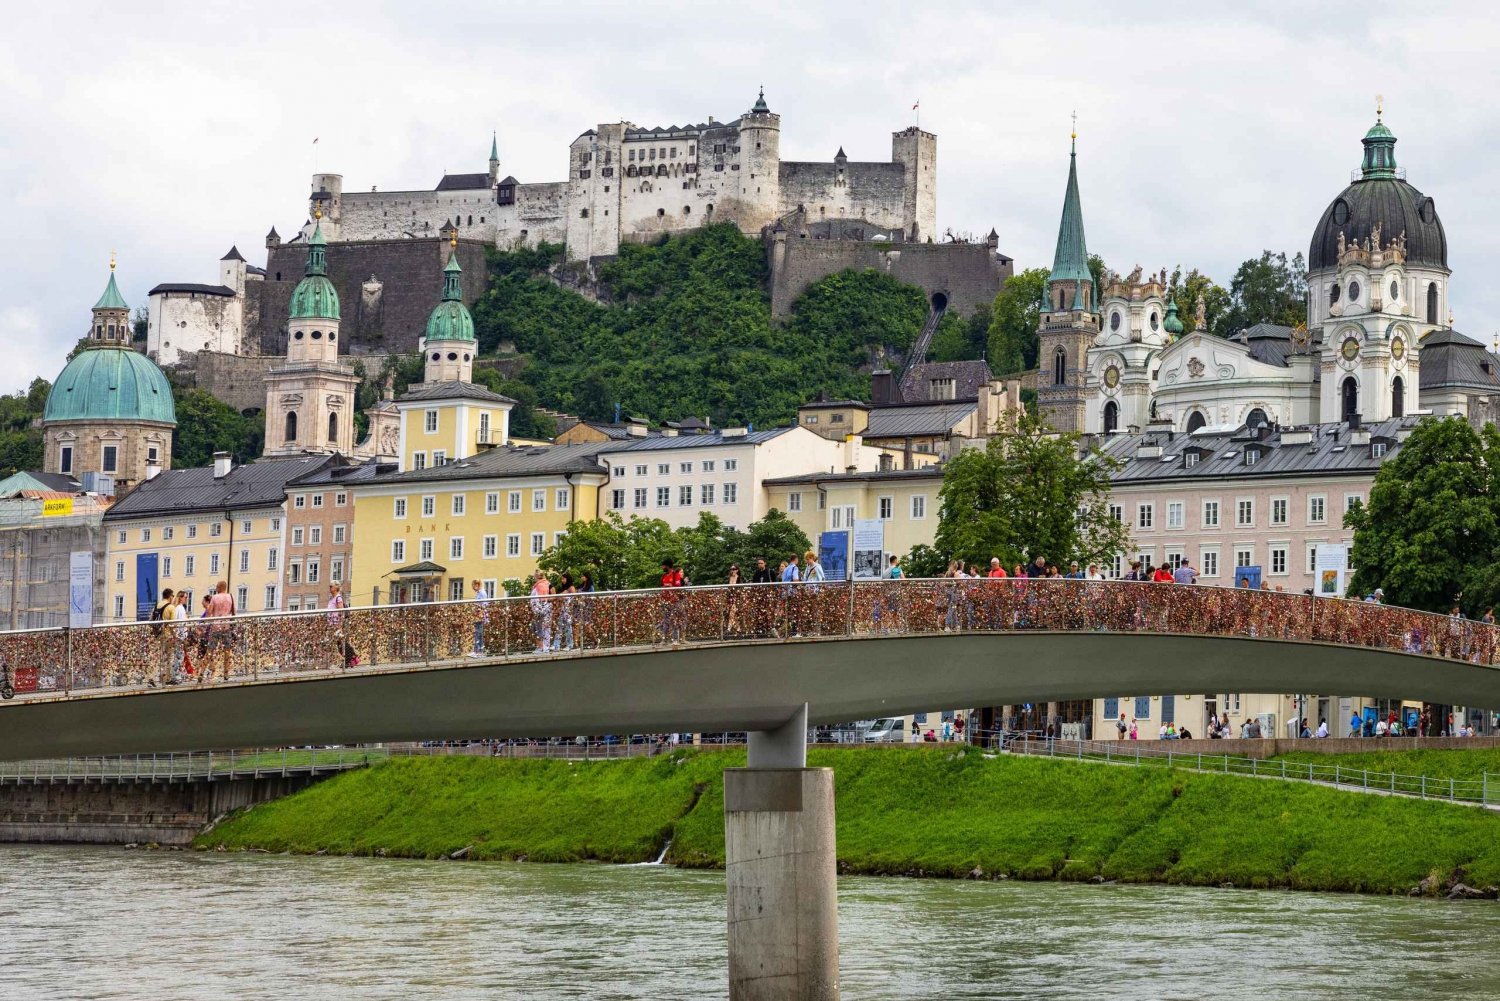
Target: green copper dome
107,382
111,299
315,296
1172,323
450,319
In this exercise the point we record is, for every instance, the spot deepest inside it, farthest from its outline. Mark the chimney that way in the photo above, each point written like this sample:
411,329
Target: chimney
636,430
222,465
853,443
882,387
153,471
1354,422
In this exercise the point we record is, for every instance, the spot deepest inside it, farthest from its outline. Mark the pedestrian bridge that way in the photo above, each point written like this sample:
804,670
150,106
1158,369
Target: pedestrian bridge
744,657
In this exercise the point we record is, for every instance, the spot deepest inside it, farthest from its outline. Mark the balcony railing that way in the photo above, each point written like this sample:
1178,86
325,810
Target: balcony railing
143,656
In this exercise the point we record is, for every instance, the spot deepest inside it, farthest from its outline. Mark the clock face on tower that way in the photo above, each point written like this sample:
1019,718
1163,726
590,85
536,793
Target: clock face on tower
1350,349
1398,349
1112,377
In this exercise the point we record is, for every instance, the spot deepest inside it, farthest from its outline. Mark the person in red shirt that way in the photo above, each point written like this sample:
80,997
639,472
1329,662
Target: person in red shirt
1162,575
996,570
671,612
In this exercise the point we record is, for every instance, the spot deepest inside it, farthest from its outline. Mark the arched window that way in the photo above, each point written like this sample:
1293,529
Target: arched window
291,426
1350,394
1432,302
1111,417
1398,397
333,428
1060,298
1060,367
1195,421
1256,418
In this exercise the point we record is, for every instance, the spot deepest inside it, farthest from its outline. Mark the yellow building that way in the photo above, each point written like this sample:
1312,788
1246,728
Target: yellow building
903,501
420,535
188,529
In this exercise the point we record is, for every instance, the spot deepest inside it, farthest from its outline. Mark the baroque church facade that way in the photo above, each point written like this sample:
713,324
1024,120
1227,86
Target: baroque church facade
1377,342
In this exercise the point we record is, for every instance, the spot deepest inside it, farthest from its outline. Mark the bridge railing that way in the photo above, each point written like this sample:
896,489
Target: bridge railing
269,646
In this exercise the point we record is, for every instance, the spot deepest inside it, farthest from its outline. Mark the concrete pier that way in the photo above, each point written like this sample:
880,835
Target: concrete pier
781,872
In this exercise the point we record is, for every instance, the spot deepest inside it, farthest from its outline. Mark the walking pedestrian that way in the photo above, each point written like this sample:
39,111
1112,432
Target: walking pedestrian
481,617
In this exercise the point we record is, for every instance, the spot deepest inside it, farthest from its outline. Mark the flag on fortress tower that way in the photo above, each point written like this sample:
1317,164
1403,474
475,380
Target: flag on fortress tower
315,140
914,107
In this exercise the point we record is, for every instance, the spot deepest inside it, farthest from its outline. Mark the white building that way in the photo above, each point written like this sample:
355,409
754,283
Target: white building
185,318
677,477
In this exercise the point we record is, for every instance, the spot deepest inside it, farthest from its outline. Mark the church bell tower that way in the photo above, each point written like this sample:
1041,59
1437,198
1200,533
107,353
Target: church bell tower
1069,319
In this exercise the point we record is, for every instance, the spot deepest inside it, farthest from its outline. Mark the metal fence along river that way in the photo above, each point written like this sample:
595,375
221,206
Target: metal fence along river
144,656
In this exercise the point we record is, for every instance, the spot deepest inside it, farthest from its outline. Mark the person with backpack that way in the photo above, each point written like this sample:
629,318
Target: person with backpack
159,613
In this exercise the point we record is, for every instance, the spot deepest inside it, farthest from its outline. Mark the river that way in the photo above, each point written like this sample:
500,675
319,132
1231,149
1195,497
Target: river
107,923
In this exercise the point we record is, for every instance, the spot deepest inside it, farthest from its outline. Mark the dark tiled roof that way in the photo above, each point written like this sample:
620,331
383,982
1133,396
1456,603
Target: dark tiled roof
821,402
1221,455
233,255
967,377
1452,360
619,432
451,391
922,419
510,179
339,471
463,182
695,441
534,460
1398,208
1267,343
933,472
426,566
189,287
180,491
667,130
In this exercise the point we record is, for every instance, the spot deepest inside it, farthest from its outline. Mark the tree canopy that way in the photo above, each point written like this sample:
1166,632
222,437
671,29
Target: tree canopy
1028,493
205,426
1266,289
1430,533
1014,319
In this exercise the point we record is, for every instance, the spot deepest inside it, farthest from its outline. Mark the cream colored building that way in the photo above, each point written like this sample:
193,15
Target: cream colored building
188,529
904,501
677,477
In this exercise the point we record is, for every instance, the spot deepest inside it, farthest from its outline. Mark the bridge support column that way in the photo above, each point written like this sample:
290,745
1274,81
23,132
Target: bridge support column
781,871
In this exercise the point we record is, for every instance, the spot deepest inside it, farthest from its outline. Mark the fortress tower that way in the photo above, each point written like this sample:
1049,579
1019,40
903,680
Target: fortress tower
760,165
917,151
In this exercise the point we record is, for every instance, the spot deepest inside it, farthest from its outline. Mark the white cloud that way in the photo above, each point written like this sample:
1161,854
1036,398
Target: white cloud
1205,136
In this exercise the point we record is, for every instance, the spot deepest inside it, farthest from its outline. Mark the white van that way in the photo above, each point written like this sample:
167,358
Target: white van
887,730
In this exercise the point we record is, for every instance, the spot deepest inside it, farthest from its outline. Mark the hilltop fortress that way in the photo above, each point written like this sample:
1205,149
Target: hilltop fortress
629,183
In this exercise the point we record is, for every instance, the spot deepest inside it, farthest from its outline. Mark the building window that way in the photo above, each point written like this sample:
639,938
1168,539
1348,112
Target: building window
315,535
918,507
273,555
1278,510
706,494
297,536
430,422
119,606
538,543
398,551
1211,514
1209,563
492,503
400,507
1174,514
419,460
1060,367
456,548
65,461
1145,515
563,499
685,467
1251,456
111,458
730,465
336,570
429,506
663,496
426,549
242,597
167,533
213,564
439,457
1317,510
339,500
638,498
491,546
270,597
1117,512
166,566
289,427
119,570
317,500
1143,707
884,507
246,527
539,500
299,501
731,493
1244,513
192,531
145,535
456,589
1244,556
294,571
685,495
662,468
1278,561
1378,450
190,565
120,537
458,503
794,501
617,499
1350,500
340,533
708,465
513,501
640,469
512,545
244,561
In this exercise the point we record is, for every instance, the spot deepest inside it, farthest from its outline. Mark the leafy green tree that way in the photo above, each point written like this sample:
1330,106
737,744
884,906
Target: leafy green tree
1014,318
957,339
618,554
774,537
1431,530
140,323
206,426
923,561
1267,289
1184,290
1028,493
1098,269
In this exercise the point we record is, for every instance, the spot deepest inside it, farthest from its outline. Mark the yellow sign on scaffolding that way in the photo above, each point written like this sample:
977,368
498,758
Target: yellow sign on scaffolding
58,507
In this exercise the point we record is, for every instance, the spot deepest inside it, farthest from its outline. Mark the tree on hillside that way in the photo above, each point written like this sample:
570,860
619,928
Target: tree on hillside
1184,290
958,339
206,426
20,443
1014,318
1027,494
140,323
1267,289
1431,529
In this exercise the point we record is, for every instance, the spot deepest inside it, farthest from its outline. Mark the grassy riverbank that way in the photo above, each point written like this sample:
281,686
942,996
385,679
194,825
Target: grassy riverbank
1444,763
943,812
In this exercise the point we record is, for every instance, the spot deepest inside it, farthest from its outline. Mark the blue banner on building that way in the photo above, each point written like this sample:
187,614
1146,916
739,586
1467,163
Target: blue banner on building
833,553
145,585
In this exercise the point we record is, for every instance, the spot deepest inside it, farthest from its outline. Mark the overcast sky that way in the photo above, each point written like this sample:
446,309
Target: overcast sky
1205,135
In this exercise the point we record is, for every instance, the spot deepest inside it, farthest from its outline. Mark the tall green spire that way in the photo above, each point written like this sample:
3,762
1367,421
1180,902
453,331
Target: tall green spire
451,291
1071,261
494,147
450,319
111,299
317,260
1380,150
315,297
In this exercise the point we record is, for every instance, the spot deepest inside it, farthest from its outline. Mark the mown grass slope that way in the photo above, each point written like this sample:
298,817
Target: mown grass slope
1442,763
943,812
